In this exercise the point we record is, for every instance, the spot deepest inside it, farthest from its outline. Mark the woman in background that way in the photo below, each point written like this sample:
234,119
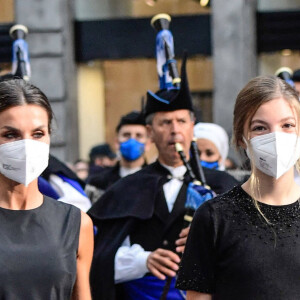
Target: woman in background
212,142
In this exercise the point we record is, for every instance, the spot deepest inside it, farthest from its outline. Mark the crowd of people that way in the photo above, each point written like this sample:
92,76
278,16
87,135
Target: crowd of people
117,227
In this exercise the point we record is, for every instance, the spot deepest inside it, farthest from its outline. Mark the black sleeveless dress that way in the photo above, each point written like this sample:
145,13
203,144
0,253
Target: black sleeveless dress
38,251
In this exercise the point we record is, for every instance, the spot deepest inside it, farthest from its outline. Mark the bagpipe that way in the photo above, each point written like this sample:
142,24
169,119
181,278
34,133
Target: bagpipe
20,54
198,191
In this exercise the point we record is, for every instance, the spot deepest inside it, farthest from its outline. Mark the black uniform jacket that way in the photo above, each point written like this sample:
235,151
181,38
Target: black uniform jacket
136,199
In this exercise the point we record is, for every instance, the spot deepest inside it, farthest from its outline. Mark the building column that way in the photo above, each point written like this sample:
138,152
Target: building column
50,41
234,54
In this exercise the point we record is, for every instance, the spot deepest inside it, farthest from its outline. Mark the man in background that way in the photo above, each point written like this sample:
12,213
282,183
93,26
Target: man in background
101,157
140,218
131,143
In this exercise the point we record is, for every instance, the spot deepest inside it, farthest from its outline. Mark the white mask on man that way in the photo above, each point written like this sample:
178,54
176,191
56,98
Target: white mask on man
23,160
274,153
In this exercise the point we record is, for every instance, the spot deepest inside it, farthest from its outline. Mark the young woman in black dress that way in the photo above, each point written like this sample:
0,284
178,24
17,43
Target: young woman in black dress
245,244
46,246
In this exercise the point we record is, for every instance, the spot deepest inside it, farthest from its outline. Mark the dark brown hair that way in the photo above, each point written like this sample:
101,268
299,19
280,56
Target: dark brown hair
17,92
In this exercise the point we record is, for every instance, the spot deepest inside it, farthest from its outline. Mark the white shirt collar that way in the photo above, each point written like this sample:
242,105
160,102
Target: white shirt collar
177,172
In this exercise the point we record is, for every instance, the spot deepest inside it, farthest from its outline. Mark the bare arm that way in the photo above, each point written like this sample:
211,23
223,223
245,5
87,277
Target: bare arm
81,289
192,295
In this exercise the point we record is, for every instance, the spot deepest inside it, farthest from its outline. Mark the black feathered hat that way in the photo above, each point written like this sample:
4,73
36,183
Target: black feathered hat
171,99
133,118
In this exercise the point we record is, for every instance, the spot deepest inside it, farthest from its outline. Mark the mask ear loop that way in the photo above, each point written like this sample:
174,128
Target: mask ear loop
254,181
248,147
249,153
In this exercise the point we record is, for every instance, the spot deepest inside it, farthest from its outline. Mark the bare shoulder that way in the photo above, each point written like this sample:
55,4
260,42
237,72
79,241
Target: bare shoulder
84,259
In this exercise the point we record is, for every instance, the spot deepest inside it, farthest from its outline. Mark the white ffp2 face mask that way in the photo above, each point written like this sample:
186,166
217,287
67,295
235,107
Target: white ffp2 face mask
275,153
23,160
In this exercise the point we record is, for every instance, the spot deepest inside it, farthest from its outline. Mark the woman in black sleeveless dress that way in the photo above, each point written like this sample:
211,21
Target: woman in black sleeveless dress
45,245
245,244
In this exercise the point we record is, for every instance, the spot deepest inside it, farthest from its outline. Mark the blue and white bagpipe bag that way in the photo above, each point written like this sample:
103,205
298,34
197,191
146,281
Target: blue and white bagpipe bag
198,191
197,194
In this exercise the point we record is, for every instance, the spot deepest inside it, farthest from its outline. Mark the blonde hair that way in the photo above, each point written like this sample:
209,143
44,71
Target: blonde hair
257,92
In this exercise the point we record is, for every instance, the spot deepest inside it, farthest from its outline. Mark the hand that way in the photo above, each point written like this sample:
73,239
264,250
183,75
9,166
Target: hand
180,243
162,263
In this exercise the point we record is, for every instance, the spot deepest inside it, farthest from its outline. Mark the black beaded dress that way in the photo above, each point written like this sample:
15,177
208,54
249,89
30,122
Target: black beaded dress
234,254
38,251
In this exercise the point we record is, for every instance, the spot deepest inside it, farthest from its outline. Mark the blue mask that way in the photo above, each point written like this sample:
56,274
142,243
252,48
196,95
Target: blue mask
210,165
132,149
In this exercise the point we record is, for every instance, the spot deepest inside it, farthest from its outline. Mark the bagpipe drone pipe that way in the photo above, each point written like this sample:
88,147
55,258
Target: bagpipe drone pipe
20,54
197,192
286,74
166,63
